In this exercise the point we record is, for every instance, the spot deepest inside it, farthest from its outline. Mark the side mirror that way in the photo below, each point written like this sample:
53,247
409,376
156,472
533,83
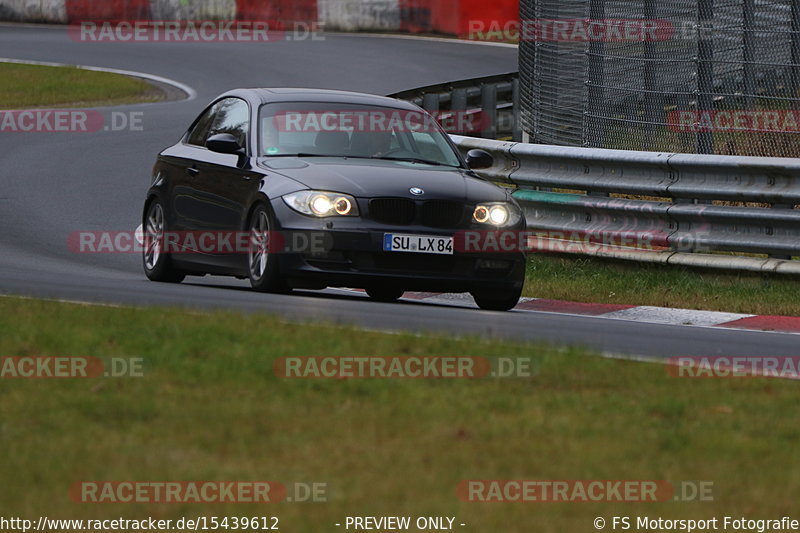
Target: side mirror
477,159
224,143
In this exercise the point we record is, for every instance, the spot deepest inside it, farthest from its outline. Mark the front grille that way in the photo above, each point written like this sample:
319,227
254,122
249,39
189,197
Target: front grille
403,212
415,263
442,214
399,211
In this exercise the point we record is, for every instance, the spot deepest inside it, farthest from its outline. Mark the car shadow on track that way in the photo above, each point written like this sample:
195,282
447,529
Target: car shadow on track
339,294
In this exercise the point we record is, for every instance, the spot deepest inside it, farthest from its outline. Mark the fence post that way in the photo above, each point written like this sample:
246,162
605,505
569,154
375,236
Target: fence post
748,51
516,115
652,103
705,71
795,77
593,126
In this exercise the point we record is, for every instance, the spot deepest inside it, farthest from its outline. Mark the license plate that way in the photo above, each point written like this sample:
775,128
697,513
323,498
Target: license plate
419,244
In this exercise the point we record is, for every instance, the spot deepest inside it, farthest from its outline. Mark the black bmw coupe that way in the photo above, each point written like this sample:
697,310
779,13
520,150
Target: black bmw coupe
328,189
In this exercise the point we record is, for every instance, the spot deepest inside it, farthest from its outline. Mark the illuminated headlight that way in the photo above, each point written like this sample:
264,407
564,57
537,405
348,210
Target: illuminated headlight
322,204
497,214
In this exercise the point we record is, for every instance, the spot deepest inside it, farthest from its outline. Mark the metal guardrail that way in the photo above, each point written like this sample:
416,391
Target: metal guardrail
659,207
496,97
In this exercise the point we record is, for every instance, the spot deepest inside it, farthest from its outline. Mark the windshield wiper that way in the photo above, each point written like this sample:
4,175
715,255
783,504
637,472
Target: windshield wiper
345,156
381,158
416,160
303,155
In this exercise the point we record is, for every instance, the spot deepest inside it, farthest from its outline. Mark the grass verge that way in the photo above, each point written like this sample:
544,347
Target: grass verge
30,86
210,408
598,280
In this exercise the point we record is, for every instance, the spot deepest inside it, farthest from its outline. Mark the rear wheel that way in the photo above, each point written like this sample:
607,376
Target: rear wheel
157,263
499,300
262,263
385,294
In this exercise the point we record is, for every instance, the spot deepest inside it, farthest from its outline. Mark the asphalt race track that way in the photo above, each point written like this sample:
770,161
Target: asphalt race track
53,184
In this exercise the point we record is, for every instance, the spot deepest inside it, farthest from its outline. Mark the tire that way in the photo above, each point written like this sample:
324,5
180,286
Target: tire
262,265
157,264
385,294
498,301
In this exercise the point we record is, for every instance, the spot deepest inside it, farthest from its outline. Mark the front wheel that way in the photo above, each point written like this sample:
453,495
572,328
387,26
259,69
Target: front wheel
499,300
262,263
158,263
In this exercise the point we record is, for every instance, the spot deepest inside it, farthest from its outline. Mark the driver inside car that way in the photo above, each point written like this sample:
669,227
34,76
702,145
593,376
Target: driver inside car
368,144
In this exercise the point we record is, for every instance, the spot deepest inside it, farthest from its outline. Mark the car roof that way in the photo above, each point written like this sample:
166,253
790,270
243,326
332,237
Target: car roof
285,94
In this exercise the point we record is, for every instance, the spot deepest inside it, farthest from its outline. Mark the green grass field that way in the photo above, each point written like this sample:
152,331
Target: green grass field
211,408
30,86
595,280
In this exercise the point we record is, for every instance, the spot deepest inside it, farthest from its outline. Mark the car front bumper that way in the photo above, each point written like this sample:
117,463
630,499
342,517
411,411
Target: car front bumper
349,252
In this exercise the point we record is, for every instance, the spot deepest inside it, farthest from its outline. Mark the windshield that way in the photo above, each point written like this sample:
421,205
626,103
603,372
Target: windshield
346,130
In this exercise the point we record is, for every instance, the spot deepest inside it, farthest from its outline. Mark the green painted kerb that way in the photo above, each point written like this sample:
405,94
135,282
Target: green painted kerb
527,195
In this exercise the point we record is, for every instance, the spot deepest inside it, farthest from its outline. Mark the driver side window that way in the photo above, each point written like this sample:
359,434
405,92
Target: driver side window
230,115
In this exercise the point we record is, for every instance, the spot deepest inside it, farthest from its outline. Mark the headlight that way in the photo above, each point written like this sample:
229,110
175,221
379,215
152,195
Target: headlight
322,204
499,214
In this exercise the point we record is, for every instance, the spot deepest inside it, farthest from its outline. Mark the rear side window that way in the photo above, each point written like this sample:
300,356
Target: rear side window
230,115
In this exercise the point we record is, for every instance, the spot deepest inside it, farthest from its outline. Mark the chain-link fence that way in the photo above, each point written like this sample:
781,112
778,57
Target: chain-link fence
705,76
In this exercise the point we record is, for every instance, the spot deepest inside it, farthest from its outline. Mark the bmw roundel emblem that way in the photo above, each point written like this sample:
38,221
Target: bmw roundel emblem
416,191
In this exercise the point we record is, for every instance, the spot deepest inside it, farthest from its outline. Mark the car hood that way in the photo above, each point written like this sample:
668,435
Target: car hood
376,178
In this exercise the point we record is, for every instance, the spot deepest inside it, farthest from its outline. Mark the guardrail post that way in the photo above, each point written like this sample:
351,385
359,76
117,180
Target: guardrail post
430,102
781,256
705,71
489,108
458,100
458,104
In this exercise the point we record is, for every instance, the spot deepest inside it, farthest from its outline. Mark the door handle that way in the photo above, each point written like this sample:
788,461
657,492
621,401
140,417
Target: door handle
192,171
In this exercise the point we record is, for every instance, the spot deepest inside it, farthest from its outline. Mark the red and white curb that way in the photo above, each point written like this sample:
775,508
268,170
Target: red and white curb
641,313
463,18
